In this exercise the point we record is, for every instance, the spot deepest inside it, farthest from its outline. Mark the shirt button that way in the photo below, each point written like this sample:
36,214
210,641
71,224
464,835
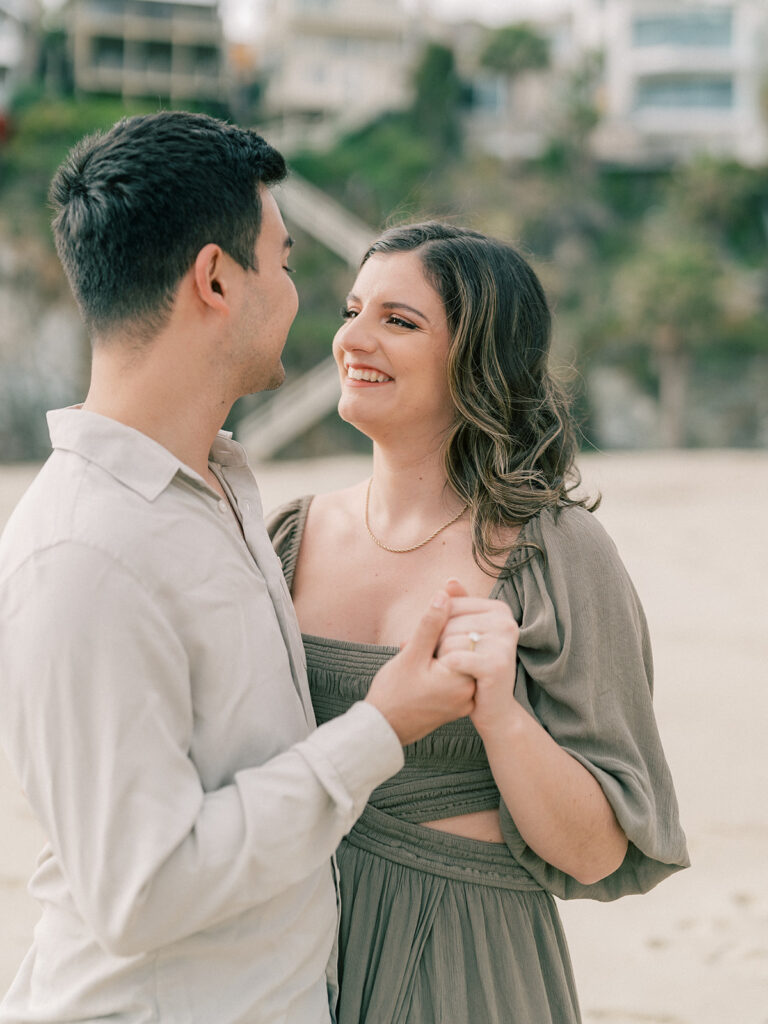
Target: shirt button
246,506
223,507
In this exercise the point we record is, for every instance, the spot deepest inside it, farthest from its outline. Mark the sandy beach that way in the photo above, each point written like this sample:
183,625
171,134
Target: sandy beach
691,527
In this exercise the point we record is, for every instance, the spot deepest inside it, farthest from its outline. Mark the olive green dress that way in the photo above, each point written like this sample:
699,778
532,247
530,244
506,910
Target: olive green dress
438,929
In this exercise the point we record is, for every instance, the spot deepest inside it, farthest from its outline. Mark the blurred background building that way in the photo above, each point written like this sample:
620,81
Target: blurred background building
18,39
147,48
335,64
624,143
679,78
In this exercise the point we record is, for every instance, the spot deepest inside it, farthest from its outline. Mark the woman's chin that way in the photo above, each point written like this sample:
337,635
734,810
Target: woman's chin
358,414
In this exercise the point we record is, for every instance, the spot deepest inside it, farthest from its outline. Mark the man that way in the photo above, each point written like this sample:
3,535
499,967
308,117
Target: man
155,703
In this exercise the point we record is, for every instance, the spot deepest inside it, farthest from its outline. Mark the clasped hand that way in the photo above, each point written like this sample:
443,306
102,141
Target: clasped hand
437,678
480,640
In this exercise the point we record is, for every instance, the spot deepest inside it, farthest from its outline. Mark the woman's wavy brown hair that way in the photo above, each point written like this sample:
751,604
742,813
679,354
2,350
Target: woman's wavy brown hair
510,452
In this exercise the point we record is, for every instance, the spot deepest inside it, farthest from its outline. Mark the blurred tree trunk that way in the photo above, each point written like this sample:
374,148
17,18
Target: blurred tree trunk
673,362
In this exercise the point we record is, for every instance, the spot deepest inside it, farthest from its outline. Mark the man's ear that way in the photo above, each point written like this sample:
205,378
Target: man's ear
210,277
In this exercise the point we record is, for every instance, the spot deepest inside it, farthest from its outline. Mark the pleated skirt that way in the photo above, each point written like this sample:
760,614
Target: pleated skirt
438,929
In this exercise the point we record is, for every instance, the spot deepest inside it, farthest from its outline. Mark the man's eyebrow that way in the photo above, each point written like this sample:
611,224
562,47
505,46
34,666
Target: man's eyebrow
394,305
288,243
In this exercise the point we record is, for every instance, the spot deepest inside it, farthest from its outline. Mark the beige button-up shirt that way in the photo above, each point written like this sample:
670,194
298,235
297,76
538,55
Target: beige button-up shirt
155,709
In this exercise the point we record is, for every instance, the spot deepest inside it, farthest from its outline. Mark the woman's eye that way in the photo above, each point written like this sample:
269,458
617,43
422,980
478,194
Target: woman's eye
347,314
289,270
398,321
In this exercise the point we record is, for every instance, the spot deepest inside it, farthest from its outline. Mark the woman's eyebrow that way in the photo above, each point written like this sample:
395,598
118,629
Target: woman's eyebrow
394,305
404,305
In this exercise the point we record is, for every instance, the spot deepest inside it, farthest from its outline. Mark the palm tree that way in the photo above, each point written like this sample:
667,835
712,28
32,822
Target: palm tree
666,298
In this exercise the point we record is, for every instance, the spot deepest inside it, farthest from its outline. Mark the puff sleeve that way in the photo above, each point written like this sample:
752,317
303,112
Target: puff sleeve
585,672
285,526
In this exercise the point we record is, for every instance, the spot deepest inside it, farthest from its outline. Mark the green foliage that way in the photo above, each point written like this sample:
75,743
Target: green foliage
629,192
512,49
438,96
726,200
568,150
388,165
373,170
635,262
667,291
396,163
322,280
44,130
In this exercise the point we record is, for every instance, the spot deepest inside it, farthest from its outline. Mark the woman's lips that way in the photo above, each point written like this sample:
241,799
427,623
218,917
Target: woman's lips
366,376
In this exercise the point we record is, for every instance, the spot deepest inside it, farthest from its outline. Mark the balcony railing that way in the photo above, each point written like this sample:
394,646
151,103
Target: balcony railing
136,21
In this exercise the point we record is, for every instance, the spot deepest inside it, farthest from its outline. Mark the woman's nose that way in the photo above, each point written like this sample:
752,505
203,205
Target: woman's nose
356,335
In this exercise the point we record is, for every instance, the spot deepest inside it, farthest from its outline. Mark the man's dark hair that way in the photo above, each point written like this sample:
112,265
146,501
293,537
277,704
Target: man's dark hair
135,205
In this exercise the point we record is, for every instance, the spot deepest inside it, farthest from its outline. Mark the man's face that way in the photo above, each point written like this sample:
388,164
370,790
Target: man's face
269,305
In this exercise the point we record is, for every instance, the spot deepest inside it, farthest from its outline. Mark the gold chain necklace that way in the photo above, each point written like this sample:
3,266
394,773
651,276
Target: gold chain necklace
403,551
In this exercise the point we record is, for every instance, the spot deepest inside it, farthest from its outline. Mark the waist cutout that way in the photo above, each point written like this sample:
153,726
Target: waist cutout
439,853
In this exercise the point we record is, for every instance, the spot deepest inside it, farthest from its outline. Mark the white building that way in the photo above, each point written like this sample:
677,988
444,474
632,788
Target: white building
343,60
512,116
16,44
149,48
681,76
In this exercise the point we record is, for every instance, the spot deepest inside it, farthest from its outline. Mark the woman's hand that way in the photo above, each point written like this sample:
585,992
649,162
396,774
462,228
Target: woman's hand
480,640
556,804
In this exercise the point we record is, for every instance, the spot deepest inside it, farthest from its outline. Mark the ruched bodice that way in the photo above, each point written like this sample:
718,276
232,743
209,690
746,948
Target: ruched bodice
445,774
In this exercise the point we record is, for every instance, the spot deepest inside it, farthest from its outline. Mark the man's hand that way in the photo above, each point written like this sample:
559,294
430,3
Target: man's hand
416,693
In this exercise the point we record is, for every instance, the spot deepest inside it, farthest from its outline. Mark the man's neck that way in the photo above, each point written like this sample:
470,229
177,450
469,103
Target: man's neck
181,413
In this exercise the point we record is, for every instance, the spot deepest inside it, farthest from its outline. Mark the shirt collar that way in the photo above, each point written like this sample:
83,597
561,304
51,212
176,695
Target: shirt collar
127,454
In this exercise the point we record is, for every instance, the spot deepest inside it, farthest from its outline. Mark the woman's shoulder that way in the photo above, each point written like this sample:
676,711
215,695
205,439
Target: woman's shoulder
567,551
327,513
309,525
571,532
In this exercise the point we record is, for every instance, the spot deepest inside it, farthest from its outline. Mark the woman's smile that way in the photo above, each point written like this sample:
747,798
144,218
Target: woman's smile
394,331
359,375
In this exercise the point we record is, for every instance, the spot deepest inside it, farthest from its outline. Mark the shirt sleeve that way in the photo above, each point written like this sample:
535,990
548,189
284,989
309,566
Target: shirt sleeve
585,672
97,722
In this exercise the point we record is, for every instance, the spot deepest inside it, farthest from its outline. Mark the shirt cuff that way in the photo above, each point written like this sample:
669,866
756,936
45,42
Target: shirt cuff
361,747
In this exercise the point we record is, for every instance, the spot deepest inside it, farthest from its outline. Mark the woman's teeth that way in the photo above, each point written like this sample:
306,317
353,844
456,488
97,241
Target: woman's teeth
372,376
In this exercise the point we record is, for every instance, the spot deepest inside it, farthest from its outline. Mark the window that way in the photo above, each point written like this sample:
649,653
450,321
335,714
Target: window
115,7
150,9
152,56
206,60
710,92
107,53
685,28
488,93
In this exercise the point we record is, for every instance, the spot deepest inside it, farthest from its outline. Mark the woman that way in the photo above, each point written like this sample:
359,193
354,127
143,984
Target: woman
557,782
